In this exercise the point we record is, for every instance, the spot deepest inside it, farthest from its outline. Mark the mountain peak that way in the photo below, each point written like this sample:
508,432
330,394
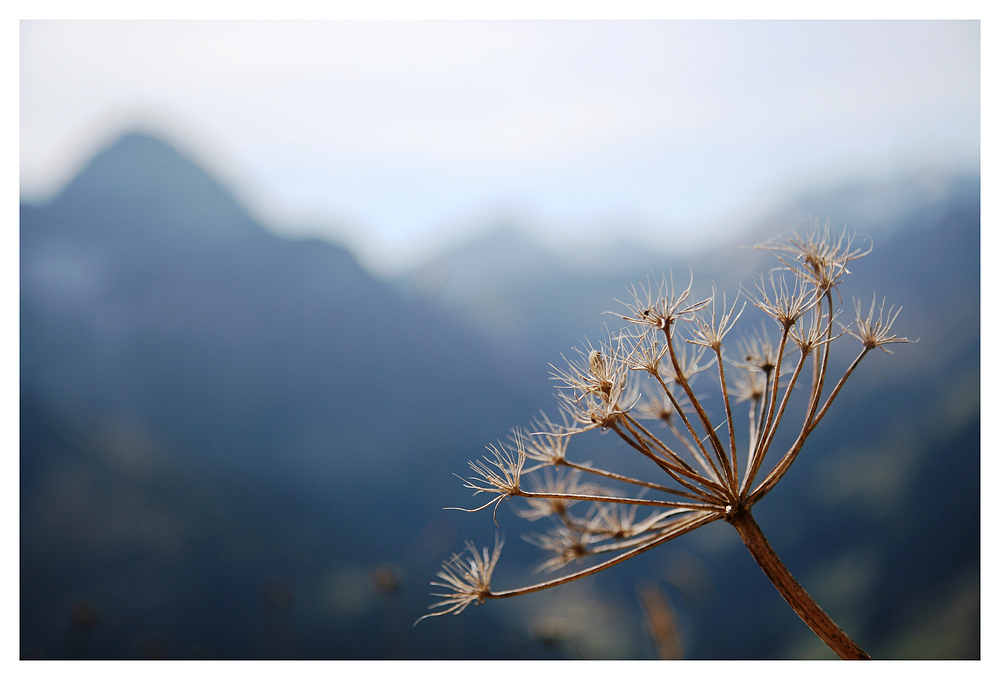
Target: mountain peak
142,179
133,143
135,161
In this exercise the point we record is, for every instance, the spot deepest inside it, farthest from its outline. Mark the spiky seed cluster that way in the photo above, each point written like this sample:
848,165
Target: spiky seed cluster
645,352
596,391
547,442
818,257
748,386
704,470
786,306
659,406
710,332
499,474
467,580
756,352
684,366
661,308
619,521
810,335
873,331
567,543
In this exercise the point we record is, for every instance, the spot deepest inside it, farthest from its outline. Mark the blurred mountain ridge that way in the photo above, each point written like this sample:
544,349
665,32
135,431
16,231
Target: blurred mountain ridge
207,406
275,376
521,296
144,264
142,181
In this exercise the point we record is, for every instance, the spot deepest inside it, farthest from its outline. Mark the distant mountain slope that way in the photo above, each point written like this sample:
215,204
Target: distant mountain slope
151,303
225,434
529,302
147,292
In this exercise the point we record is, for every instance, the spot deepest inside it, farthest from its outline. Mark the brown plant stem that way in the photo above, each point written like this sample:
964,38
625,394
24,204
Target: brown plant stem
679,528
790,589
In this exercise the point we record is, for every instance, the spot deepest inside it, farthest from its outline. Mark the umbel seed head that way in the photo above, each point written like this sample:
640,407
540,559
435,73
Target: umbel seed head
706,465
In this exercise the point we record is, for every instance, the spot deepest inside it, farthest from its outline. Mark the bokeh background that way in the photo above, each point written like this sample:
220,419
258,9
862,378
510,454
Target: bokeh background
280,280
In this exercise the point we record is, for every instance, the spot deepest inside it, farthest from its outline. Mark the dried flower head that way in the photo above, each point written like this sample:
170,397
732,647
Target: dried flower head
708,469
605,412
818,257
597,393
658,405
548,441
661,307
873,331
615,521
603,373
467,580
756,352
567,542
644,351
781,304
500,475
710,332
748,386
813,333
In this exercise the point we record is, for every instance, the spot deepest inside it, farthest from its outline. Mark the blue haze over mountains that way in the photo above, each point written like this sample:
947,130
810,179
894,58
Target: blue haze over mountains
238,445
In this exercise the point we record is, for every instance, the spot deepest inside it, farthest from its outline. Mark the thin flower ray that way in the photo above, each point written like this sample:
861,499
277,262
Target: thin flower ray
660,310
787,307
681,527
468,580
874,332
816,257
710,333
501,476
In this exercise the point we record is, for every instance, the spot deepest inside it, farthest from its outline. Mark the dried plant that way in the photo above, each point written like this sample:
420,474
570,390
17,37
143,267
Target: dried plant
708,470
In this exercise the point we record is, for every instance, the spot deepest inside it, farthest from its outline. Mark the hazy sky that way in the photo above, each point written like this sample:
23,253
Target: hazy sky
394,138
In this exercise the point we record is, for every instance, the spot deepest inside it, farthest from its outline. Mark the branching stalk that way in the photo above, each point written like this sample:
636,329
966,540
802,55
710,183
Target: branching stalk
704,456
706,423
680,529
600,393
729,413
796,596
